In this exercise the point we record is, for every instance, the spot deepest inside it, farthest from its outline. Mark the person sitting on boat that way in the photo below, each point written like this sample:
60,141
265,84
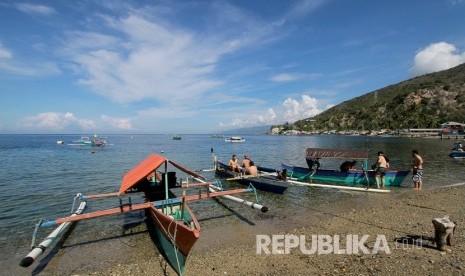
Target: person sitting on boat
282,175
234,164
252,169
381,165
348,165
458,146
245,162
313,165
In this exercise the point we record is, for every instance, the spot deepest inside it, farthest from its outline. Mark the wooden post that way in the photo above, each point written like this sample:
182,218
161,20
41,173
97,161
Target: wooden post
444,230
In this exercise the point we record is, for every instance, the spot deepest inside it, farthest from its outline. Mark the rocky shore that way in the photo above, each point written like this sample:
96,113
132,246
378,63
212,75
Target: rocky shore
404,218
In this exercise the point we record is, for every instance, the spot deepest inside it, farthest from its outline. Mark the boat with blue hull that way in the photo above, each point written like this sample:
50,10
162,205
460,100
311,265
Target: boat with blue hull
352,177
266,180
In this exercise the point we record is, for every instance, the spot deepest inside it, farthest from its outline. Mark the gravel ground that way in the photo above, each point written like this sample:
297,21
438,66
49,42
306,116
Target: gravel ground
231,249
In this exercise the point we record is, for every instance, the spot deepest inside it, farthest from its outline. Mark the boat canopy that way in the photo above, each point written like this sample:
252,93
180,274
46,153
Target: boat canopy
146,167
333,153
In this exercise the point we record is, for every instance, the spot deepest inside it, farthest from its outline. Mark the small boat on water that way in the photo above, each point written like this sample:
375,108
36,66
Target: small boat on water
458,151
91,142
234,139
266,180
176,137
170,221
351,177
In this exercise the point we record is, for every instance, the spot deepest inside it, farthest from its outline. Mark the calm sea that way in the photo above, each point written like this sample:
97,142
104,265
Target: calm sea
39,178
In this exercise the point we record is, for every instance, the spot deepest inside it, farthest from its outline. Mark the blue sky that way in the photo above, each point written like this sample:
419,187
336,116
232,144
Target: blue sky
209,66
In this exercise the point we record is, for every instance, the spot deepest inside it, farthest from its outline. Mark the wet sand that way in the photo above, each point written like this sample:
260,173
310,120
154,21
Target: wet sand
230,249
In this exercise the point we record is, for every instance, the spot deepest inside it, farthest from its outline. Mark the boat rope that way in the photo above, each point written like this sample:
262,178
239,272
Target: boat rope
172,239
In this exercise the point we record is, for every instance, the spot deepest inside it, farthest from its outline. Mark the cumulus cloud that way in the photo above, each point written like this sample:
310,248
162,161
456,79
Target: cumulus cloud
35,9
55,121
436,57
291,110
295,110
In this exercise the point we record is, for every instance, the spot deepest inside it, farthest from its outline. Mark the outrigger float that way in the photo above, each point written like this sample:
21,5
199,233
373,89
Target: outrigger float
169,218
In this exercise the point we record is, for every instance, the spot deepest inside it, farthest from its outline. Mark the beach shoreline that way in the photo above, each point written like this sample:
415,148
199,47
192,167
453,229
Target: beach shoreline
231,249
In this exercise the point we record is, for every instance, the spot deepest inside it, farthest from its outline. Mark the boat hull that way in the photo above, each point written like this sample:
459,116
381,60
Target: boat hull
457,154
263,183
175,237
356,177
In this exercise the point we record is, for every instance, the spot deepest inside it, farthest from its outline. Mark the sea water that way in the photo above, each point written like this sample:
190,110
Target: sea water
39,178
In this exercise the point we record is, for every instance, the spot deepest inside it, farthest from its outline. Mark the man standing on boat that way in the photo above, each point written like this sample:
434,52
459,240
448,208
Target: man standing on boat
417,170
381,168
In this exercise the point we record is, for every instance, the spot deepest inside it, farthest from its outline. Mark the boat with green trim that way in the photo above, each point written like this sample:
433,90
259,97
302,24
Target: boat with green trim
353,177
171,223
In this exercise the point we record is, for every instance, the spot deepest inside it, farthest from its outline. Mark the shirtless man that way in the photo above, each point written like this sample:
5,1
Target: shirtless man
417,170
245,162
252,169
234,164
381,169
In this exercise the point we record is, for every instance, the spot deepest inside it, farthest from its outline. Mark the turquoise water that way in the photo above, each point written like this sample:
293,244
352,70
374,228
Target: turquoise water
39,178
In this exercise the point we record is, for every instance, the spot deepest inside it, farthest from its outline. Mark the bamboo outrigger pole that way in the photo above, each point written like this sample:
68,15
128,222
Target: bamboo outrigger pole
39,249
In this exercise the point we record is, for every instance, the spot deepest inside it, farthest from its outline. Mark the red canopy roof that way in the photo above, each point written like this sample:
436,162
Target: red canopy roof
146,167
142,170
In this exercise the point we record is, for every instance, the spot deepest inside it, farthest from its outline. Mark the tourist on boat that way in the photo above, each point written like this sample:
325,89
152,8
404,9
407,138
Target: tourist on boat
246,162
252,169
282,175
417,170
381,166
348,165
234,164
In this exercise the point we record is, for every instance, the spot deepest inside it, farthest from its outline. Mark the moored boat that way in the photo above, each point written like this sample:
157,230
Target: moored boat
92,142
458,151
351,177
266,180
170,220
234,139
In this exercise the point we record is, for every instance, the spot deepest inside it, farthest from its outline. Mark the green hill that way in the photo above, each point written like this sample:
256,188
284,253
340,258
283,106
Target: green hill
422,102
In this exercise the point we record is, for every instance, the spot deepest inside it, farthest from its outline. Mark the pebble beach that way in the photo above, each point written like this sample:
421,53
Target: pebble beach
404,218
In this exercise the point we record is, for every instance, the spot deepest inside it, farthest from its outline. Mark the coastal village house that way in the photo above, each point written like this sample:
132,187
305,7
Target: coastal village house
452,128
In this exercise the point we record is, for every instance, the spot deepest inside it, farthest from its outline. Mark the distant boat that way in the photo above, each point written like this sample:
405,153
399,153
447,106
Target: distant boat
234,139
87,141
60,142
217,136
457,151
176,138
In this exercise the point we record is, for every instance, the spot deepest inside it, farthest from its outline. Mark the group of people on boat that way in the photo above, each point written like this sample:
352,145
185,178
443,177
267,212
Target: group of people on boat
247,166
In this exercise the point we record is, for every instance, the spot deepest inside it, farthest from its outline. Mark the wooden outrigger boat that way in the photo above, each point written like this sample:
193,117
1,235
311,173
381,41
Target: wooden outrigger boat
266,180
363,177
169,218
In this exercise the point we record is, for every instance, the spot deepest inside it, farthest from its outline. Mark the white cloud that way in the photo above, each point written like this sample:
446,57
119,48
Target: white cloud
436,57
35,9
4,53
118,123
295,110
55,121
30,68
291,110
285,77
